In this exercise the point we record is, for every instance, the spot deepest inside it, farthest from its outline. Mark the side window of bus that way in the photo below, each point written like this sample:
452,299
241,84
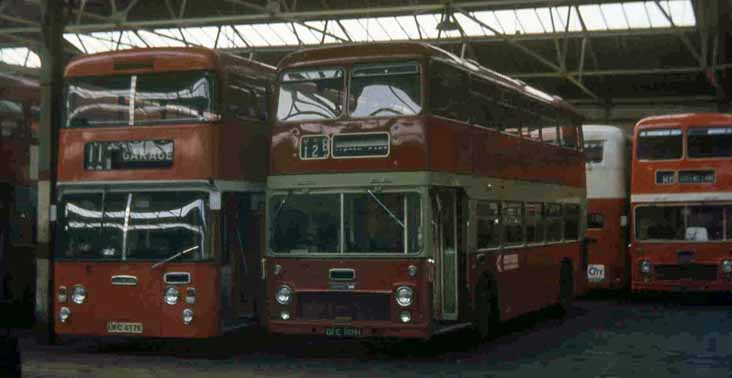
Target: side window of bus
513,223
447,91
595,220
246,98
553,222
571,222
570,136
534,224
488,214
550,131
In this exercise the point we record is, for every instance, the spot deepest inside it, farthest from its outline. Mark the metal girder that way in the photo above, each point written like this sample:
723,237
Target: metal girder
620,72
514,43
292,16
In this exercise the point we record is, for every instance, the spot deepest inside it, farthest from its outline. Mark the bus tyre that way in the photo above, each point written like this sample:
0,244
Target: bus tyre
487,311
566,288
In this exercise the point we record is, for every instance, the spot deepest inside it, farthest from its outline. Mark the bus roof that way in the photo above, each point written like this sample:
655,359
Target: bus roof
603,132
391,50
154,60
684,120
18,88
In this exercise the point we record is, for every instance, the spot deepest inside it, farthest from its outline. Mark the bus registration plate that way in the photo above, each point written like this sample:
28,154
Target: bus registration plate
120,327
343,332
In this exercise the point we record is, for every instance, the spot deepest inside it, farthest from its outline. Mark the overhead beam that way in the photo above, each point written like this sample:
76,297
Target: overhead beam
620,72
265,16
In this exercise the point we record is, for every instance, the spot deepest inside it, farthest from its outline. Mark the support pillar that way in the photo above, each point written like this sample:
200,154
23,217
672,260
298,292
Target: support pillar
52,65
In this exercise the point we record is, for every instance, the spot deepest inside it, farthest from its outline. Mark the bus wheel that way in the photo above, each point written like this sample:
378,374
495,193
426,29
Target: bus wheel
487,311
566,287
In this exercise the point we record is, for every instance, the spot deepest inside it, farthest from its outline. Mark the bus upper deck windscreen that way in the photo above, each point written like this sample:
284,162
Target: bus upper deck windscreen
140,99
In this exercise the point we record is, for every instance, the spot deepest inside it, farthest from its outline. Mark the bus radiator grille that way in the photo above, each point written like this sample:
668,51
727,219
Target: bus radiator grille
694,272
332,305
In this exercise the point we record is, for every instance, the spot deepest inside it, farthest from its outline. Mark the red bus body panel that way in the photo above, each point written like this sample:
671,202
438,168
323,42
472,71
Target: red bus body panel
610,249
141,303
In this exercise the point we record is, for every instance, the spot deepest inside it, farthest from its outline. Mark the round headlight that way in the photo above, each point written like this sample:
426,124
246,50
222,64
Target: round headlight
284,315
64,314
284,295
78,295
171,295
404,296
405,316
187,316
726,266
645,266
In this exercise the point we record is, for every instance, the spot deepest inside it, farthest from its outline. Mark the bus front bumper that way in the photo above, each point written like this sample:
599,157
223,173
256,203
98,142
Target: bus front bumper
356,329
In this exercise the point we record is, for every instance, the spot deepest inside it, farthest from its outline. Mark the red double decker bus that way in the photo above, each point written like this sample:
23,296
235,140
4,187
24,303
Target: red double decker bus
161,173
607,155
681,199
412,193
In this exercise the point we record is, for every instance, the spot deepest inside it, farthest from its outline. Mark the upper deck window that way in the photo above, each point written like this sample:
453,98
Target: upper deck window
661,144
385,90
710,142
594,151
146,99
307,95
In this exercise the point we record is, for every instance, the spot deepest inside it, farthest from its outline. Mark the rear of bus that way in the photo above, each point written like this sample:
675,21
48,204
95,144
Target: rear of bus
607,168
682,203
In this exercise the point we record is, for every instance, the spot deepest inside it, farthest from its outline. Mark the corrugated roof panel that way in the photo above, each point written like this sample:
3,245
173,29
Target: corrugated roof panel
355,30
409,24
656,16
251,35
636,14
529,21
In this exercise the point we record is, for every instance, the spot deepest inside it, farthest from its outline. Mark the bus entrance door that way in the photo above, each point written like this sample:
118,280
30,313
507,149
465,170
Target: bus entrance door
444,203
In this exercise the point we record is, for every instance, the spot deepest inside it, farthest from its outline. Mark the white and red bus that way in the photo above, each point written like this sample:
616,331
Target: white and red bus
161,174
681,198
412,193
607,156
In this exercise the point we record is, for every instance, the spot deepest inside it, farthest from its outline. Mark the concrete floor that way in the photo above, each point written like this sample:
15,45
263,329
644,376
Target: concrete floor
603,338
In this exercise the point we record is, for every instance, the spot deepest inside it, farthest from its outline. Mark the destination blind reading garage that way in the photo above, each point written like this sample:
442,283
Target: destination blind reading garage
129,154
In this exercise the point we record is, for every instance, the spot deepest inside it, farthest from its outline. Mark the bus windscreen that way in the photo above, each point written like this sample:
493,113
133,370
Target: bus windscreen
661,144
352,223
712,142
143,99
132,225
683,222
378,90
308,95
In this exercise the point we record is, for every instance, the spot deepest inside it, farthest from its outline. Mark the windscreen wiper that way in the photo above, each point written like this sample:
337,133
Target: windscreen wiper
385,208
175,256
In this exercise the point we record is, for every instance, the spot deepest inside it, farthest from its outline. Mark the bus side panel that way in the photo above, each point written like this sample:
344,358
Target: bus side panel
608,245
527,278
456,147
242,150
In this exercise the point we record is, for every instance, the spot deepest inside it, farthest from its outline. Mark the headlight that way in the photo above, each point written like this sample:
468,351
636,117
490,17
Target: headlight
187,316
412,270
64,314
284,295
726,266
645,266
190,295
78,295
171,295
62,294
404,296
284,315
277,269
405,316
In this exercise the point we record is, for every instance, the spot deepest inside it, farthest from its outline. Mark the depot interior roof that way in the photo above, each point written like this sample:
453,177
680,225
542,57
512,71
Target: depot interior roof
585,51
